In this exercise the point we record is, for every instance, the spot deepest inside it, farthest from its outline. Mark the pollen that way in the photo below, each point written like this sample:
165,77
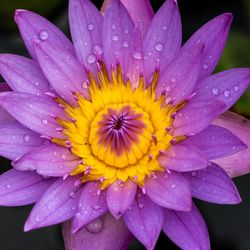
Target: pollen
120,130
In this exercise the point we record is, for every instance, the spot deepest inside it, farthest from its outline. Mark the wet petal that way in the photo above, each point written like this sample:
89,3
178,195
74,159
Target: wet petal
213,185
36,113
187,229
120,197
144,219
16,140
169,190
213,35
239,163
103,233
163,37
48,160
92,204
86,26
58,204
32,26
117,33
183,158
61,68
215,142
19,188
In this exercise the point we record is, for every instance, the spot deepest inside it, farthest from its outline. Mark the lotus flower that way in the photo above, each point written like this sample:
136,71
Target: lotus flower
115,133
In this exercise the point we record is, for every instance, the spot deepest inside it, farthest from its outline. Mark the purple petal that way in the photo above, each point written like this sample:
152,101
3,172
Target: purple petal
187,229
103,233
215,142
61,68
226,87
169,190
183,158
33,26
86,26
58,204
144,219
117,33
214,36
196,116
92,204
214,185
239,163
23,74
48,160
16,140
180,76
36,113
19,188
120,196
163,37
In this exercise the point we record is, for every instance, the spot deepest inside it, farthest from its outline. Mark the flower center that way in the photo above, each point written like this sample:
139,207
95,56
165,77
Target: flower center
120,131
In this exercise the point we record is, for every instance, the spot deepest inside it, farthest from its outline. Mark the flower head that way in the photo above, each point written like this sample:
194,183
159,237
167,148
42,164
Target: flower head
117,125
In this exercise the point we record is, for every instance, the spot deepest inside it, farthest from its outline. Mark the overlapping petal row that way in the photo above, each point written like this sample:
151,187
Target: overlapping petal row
124,86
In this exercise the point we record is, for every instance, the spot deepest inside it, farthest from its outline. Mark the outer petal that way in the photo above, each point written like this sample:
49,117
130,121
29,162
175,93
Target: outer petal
214,36
23,74
117,32
104,233
144,220
86,26
36,113
120,197
183,158
187,229
170,191
213,185
237,164
215,142
16,140
58,204
19,188
33,26
179,78
91,206
226,87
63,71
196,116
48,160
163,37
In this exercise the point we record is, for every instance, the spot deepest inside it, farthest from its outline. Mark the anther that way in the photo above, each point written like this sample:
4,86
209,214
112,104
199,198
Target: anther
150,157
154,139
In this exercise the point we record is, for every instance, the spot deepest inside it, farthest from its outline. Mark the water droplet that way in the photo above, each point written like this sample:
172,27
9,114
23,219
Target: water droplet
194,173
63,156
115,38
96,226
44,121
98,50
159,47
8,186
164,27
173,79
141,205
173,186
36,83
167,88
72,194
91,26
113,26
96,207
137,55
236,88
26,138
126,31
91,58
203,178
205,66
227,93
30,105
43,35
215,91
125,44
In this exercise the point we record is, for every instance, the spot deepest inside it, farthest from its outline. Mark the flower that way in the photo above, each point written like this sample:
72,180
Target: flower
114,133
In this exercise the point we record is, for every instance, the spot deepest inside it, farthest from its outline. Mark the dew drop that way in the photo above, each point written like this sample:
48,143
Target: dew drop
115,38
203,178
26,138
215,91
205,66
236,88
164,27
98,50
173,186
159,47
194,173
227,93
91,26
173,80
113,26
72,195
63,156
91,58
125,44
141,205
44,121
43,35
126,31
8,186
96,226
137,55
96,207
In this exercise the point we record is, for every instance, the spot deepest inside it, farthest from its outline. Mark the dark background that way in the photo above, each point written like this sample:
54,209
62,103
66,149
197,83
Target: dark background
229,226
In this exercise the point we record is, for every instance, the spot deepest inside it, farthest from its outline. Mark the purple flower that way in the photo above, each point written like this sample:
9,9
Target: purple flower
115,133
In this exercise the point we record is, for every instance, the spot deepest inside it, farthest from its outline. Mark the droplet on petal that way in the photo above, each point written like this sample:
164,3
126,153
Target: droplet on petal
95,226
91,27
91,59
159,47
43,35
215,91
26,138
227,93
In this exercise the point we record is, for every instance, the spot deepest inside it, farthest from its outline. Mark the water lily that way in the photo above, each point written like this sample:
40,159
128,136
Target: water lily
115,133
